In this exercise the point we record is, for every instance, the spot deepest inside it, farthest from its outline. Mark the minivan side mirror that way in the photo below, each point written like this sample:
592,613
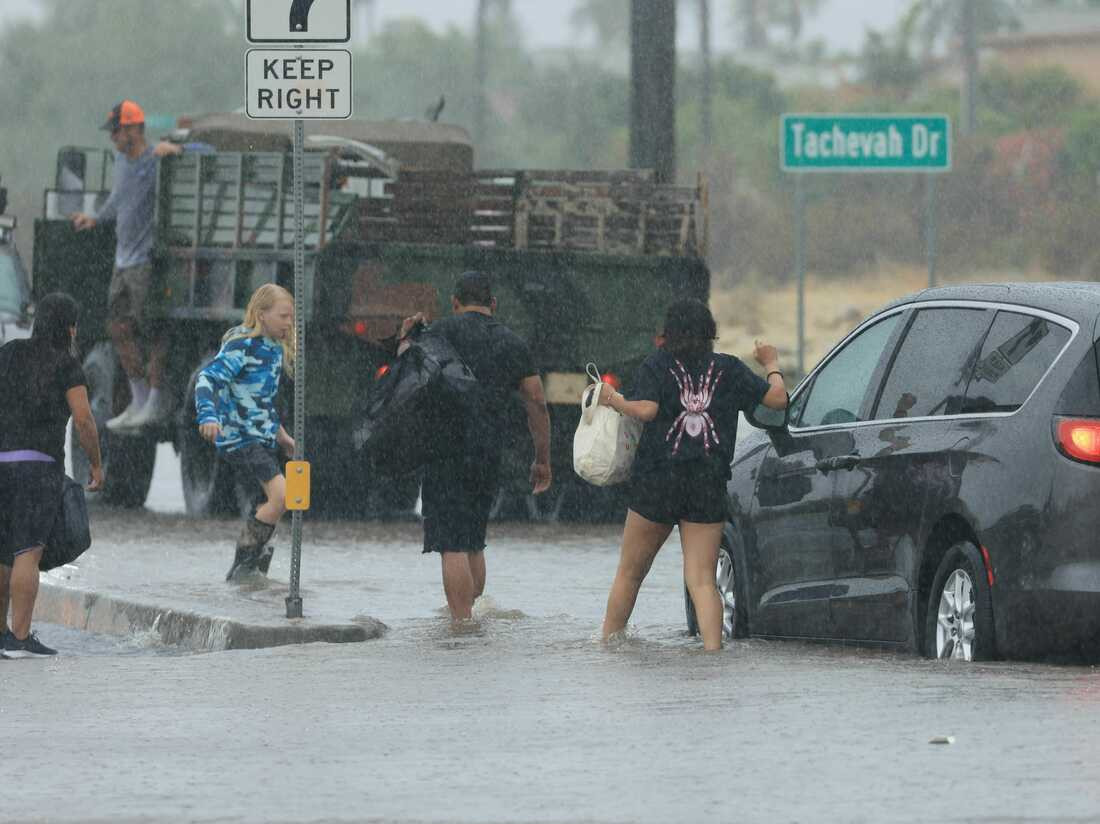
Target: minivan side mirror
763,417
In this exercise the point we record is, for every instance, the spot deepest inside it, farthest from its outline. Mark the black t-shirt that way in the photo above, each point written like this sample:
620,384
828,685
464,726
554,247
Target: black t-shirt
697,405
34,378
499,359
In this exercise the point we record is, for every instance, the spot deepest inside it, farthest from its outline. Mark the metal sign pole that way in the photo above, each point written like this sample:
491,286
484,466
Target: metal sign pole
800,266
294,598
930,226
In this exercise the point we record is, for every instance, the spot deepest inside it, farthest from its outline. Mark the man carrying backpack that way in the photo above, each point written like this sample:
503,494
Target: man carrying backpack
458,492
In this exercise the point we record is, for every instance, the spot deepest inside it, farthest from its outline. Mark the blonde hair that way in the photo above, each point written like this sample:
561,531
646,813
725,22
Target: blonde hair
261,301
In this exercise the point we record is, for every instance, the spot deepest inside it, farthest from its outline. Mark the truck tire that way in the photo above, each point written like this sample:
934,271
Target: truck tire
210,488
127,461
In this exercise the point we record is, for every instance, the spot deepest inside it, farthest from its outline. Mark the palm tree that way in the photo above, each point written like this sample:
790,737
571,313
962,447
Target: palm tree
750,17
930,21
754,17
608,19
362,15
481,64
706,84
792,14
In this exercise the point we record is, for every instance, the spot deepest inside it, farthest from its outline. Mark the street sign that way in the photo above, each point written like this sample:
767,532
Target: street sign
298,84
865,143
293,84
299,21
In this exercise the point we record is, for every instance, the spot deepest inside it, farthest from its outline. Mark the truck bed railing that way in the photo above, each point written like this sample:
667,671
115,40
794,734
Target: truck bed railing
239,200
612,212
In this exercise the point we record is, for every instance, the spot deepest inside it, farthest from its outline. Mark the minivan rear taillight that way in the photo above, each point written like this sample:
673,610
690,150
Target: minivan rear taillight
1079,438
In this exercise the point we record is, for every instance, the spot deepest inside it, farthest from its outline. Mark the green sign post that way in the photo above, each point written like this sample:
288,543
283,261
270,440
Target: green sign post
845,143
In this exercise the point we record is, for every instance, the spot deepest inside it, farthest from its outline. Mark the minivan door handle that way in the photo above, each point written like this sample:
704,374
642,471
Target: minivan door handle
846,461
826,465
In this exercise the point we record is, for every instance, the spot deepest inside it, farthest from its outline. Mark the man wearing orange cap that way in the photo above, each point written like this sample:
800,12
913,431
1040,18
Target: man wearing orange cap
131,205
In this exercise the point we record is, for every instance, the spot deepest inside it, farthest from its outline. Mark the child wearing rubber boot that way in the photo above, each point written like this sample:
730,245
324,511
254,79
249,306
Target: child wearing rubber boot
235,405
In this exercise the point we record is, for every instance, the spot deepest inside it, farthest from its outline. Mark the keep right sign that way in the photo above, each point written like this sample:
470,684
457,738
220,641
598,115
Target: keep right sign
298,84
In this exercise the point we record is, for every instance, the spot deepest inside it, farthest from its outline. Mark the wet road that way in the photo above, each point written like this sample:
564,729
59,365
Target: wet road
524,716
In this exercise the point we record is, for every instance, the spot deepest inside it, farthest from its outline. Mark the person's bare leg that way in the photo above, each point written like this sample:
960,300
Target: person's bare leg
700,543
642,539
271,510
458,584
477,571
125,343
158,353
24,590
5,584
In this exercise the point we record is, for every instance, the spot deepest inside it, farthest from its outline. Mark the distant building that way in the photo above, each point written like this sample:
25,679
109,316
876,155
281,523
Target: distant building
1069,39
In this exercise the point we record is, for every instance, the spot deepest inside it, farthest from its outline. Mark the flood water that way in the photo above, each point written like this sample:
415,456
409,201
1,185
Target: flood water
523,715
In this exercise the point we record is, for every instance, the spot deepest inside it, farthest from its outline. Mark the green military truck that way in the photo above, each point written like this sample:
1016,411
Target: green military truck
584,264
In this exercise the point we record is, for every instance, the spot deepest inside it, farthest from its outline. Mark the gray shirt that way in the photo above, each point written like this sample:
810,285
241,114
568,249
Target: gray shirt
131,202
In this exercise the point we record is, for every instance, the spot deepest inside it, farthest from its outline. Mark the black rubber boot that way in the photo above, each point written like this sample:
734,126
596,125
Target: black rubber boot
251,549
263,559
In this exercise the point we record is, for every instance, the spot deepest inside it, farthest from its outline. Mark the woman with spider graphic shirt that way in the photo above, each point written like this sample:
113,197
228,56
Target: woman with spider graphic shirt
688,396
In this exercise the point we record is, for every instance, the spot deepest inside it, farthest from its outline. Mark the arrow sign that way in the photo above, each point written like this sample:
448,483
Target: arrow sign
299,21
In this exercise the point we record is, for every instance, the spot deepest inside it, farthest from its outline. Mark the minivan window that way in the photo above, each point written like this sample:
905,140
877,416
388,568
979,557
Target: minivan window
932,367
1017,353
841,385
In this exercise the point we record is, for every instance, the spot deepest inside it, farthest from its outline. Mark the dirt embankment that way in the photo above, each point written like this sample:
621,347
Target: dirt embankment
834,306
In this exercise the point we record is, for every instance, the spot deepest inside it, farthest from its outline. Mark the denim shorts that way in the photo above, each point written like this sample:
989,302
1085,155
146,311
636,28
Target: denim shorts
31,492
683,492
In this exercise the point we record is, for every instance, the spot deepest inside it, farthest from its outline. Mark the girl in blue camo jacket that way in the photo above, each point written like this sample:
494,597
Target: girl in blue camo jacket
235,406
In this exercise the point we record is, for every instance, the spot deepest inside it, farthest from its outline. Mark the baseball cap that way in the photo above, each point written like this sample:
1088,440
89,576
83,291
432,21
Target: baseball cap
126,113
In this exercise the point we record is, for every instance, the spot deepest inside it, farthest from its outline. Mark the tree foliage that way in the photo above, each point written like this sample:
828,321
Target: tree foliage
568,109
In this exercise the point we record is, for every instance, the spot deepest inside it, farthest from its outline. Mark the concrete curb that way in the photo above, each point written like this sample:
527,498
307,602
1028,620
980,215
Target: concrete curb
108,615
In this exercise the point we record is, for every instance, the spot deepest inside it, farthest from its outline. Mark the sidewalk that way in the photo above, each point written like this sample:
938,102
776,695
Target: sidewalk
164,574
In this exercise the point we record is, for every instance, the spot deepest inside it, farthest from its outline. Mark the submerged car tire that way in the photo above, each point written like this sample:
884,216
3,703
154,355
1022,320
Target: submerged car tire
730,580
959,619
127,460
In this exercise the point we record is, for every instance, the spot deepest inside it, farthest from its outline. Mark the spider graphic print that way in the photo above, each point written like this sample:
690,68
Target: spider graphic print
695,420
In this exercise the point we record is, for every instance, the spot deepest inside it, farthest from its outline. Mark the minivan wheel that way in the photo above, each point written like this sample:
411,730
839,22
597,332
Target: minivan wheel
734,619
959,620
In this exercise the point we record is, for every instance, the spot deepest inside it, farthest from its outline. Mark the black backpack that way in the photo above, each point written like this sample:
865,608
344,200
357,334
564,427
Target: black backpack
419,411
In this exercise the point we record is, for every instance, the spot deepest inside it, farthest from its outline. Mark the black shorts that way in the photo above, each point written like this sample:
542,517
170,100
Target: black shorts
683,493
31,492
455,498
253,462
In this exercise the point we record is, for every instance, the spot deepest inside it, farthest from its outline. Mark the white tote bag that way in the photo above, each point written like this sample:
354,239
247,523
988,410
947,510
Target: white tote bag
605,442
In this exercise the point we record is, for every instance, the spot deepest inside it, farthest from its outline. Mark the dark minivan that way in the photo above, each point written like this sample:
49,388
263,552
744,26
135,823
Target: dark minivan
936,485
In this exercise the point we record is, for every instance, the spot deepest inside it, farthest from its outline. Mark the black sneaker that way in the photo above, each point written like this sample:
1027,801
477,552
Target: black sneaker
29,647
